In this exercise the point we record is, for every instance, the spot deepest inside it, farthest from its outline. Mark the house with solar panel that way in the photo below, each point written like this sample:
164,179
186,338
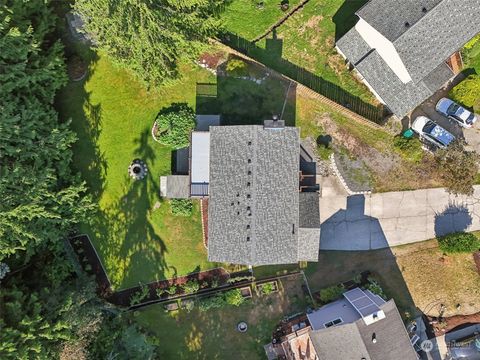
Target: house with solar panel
404,51
259,184
359,326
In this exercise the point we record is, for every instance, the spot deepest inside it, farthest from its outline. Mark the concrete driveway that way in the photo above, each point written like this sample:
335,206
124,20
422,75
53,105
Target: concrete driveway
365,222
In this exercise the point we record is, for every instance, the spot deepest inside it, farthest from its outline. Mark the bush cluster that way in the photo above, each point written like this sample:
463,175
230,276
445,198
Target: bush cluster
232,297
174,125
181,207
459,243
467,93
331,293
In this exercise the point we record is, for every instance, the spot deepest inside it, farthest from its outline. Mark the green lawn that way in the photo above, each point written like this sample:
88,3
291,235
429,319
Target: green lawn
307,41
213,334
249,20
134,232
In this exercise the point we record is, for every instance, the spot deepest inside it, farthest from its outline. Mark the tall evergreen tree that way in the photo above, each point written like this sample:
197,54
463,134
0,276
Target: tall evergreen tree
150,36
41,199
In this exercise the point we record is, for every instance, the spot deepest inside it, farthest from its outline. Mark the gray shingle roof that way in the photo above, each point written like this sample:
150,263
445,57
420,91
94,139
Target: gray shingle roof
389,16
423,46
309,226
354,340
339,343
353,47
393,342
270,234
399,97
441,32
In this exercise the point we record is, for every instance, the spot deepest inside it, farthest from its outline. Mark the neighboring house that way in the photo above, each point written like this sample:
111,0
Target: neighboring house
360,325
263,204
402,50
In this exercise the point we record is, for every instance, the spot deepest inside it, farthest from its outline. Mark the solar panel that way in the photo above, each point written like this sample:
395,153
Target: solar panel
361,302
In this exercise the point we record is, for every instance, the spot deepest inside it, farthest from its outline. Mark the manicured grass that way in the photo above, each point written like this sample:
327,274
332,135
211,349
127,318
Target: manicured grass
307,39
134,231
249,20
213,334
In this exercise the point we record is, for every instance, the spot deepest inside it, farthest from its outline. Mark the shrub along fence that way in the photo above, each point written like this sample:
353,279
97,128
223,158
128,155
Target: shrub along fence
316,83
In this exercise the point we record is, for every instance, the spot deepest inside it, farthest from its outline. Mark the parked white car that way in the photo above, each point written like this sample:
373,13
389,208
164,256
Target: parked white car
432,132
453,111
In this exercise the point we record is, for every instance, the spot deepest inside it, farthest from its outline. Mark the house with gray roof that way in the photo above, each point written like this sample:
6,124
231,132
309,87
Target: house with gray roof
402,49
263,204
360,325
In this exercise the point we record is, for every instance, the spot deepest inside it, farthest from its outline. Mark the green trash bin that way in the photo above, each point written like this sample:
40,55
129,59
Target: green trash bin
407,134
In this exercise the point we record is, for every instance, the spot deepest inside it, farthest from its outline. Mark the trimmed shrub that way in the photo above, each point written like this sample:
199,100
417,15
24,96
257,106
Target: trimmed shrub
234,297
174,125
331,293
467,93
181,207
375,288
267,288
191,286
459,243
211,302
172,290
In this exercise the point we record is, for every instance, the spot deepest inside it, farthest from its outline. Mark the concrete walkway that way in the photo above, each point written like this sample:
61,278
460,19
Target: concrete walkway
365,222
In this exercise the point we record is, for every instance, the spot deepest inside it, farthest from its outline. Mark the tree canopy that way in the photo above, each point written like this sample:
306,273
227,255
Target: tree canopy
149,37
46,310
458,168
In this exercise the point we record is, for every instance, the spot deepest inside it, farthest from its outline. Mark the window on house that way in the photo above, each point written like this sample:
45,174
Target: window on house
333,322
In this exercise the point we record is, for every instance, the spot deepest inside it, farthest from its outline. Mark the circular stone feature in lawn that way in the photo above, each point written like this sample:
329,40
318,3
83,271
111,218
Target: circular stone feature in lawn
137,169
242,326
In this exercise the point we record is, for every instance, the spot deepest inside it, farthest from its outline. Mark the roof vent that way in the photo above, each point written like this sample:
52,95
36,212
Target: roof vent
407,24
424,10
374,338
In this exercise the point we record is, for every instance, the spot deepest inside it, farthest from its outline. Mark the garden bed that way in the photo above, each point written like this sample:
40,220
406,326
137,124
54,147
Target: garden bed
267,288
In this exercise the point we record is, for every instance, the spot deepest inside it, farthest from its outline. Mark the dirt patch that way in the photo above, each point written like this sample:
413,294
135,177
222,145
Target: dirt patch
444,325
378,162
